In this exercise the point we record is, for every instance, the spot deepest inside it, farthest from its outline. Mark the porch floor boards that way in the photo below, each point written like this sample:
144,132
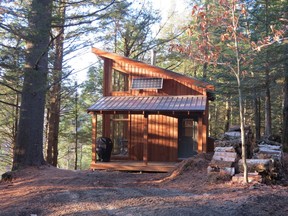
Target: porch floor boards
134,166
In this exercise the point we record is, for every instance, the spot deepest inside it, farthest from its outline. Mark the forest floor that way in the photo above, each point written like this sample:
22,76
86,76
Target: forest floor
185,191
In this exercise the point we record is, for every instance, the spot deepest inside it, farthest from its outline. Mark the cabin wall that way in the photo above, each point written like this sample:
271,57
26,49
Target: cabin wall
170,86
162,138
136,137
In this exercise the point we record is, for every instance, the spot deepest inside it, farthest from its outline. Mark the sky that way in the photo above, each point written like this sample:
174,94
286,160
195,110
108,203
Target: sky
85,58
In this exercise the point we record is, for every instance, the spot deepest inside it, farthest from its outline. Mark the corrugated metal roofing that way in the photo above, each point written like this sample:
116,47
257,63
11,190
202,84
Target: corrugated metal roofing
150,103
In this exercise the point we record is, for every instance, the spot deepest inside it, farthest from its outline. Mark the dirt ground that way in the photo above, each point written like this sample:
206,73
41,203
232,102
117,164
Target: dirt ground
185,191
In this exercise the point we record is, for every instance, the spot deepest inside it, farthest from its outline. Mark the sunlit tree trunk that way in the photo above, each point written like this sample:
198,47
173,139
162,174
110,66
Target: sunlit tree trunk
238,74
227,115
28,149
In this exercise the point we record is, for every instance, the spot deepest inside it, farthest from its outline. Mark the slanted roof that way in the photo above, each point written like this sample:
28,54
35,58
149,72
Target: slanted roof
157,70
185,103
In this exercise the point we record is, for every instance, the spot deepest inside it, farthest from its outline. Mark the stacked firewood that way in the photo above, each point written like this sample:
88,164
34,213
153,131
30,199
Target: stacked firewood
264,161
227,153
265,164
223,162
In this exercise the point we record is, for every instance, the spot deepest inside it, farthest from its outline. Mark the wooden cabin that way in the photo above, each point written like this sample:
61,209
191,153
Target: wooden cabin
152,115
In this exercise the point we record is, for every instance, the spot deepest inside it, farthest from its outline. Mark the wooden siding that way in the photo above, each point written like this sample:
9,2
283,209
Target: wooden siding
178,87
122,61
162,142
137,142
162,138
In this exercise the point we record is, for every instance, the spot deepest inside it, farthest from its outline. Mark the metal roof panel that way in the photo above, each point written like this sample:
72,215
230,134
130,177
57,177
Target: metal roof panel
150,103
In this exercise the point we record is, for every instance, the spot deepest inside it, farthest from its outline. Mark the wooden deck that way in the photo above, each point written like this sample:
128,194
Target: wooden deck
134,166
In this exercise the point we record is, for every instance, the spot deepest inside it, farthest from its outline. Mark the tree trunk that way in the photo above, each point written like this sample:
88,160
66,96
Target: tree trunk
28,150
227,115
242,126
55,100
285,108
268,121
285,97
76,129
238,74
257,117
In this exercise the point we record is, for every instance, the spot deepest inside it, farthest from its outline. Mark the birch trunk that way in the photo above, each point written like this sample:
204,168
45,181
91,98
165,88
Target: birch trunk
238,74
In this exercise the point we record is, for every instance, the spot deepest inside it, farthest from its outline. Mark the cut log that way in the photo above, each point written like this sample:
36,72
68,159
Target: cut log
269,142
221,164
237,128
225,156
232,135
225,143
224,149
271,147
228,170
252,177
265,152
225,170
257,165
266,156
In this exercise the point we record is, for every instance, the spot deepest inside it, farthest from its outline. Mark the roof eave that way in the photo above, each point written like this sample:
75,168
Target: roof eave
177,76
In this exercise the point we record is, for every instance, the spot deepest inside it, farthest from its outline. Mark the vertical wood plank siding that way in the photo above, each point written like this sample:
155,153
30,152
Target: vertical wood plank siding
170,86
136,145
162,141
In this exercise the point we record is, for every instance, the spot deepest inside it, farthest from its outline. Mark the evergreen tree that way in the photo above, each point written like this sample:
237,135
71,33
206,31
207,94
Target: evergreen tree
29,143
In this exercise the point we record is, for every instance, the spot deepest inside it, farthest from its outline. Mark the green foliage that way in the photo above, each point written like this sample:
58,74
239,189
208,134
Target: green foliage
130,31
88,93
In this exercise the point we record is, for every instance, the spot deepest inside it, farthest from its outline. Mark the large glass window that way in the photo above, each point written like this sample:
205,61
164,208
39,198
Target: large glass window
119,81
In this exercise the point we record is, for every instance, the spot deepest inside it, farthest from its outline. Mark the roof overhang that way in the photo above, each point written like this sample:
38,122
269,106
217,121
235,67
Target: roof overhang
149,104
157,70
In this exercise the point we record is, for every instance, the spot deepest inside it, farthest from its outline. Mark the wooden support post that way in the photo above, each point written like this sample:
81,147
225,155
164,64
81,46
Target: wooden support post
94,136
145,139
205,129
200,134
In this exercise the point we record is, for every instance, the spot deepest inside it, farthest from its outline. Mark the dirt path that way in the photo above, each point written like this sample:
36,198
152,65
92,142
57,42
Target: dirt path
50,191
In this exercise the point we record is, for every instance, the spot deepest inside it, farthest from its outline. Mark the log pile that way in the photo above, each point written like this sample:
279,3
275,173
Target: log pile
227,153
264,161
265,164
270,150
233,138
223,162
